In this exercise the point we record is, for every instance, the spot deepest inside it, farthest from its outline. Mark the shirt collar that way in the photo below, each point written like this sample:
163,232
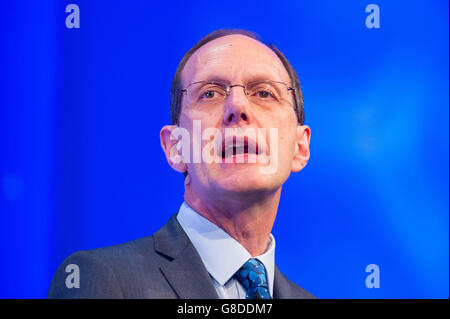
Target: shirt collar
221,254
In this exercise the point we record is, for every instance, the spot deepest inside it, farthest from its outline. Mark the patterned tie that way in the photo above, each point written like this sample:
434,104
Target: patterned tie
252,275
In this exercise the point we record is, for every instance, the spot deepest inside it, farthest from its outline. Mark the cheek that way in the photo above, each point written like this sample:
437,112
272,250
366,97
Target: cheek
204,113
286,146
281,118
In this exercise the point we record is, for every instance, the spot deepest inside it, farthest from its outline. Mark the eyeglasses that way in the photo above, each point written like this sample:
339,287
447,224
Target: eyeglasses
264,93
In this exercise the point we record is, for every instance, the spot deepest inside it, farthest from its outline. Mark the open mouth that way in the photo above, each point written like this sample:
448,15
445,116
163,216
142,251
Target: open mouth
239,145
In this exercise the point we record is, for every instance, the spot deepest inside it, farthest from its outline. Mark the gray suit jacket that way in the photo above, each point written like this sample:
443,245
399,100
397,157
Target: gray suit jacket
165,265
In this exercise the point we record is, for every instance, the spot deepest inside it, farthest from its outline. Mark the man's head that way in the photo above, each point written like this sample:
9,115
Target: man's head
236,58
177,84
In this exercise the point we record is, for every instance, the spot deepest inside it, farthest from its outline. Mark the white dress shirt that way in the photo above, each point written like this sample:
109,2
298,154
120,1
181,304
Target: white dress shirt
221,254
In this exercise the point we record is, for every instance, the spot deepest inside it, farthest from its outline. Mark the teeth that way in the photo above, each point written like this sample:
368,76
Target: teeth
239,148
237,145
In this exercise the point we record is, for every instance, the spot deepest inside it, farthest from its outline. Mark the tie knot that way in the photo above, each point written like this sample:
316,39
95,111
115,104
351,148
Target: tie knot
252,275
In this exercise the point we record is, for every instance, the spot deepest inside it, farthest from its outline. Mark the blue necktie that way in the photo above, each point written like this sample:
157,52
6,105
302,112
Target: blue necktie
252,275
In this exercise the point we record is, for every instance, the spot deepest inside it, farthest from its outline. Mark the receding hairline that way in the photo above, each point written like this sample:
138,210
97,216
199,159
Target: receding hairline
258,42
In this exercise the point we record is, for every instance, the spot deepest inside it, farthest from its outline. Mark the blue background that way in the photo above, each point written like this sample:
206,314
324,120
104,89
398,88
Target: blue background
81,109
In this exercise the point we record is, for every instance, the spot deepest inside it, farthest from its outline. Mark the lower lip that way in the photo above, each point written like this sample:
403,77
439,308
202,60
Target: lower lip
240,159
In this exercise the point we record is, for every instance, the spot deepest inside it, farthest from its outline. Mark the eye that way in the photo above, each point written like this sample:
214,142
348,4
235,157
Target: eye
264,94
209,94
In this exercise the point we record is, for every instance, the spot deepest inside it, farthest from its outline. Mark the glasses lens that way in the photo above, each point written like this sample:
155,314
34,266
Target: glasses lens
265,92
207,92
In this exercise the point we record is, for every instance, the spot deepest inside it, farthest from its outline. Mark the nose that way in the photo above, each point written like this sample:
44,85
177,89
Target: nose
236,106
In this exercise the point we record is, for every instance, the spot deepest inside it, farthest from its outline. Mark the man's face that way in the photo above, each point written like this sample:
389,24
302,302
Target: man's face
237,59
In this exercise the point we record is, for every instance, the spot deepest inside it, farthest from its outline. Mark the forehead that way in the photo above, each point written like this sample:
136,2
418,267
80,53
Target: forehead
234,58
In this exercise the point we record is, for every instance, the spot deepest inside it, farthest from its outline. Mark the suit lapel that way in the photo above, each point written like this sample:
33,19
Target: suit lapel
281,287
188,277
184,271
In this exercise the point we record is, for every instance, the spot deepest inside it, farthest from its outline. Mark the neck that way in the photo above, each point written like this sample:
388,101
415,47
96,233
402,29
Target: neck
248,218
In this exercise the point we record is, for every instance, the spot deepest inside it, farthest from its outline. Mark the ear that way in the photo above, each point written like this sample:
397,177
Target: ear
301,153
169,146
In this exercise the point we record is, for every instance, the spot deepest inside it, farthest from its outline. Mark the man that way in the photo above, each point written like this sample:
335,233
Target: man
237,134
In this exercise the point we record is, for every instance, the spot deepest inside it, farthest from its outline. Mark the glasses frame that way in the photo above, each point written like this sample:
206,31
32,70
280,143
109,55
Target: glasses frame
228,87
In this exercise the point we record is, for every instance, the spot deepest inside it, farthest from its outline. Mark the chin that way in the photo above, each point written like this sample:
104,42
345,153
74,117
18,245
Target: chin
244,180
